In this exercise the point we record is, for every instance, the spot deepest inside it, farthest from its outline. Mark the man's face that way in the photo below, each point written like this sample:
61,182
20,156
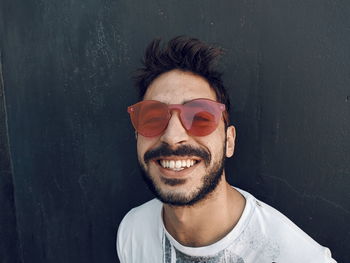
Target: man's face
204,155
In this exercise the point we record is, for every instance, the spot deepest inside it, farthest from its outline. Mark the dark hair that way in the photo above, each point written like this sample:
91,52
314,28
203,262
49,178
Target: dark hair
186,54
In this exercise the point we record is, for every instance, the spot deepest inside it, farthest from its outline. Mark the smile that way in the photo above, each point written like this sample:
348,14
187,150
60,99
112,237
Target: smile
177,164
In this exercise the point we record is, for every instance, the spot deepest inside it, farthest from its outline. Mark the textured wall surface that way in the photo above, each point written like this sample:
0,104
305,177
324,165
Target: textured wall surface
8,236
68,168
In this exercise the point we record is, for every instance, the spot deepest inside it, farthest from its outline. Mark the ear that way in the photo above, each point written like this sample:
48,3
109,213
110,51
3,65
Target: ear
230,141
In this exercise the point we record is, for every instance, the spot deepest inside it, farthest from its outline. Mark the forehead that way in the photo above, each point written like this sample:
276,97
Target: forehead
177,87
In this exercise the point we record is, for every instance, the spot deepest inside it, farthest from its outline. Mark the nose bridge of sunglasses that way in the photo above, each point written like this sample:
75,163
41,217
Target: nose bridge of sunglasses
179,108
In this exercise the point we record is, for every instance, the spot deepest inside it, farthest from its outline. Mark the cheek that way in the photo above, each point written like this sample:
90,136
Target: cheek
144,144
218,143
215,145
140,149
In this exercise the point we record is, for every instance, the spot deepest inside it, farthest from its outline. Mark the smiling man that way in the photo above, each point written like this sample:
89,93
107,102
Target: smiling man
183,137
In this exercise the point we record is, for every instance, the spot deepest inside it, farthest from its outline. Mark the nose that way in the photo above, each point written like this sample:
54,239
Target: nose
175,133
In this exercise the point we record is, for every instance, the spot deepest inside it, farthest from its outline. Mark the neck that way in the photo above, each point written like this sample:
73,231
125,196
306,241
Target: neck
208,220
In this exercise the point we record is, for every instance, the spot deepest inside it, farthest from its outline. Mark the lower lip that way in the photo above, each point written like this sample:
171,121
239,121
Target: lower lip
176,174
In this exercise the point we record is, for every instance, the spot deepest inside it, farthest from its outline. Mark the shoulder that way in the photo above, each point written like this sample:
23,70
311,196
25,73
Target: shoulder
281,236
274,222
140,231
146,214
146,211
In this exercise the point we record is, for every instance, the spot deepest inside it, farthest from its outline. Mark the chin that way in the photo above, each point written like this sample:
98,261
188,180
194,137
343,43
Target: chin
208,184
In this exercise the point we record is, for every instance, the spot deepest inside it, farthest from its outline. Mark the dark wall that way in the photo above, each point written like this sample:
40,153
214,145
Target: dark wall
8,235
68,162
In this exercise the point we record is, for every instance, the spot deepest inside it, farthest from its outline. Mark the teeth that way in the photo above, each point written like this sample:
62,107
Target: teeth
177,165
163,163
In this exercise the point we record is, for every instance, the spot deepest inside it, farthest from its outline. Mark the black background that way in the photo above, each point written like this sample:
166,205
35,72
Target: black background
68,160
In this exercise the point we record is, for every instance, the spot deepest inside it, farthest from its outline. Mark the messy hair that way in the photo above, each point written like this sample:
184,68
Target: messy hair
185,54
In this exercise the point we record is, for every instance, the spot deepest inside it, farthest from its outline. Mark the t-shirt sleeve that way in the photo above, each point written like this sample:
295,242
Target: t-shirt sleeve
328,256
119,244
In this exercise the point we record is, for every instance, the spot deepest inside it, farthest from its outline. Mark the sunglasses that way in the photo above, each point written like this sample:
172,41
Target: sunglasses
199,117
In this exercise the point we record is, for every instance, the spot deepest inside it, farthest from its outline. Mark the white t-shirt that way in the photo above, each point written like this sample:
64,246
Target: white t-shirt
262,235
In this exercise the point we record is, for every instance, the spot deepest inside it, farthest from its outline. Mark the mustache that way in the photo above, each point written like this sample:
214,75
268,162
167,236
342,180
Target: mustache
164,150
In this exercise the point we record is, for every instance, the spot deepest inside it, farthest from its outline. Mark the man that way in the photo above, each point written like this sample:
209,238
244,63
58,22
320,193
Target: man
183,137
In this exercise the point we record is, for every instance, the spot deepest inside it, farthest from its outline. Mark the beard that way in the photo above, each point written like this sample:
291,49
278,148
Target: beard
208,183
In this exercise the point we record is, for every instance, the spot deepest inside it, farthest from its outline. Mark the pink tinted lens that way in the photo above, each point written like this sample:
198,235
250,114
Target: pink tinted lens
201,117
149,117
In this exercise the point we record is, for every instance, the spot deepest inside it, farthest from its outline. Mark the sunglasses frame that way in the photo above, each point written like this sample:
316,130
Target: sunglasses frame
179,107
